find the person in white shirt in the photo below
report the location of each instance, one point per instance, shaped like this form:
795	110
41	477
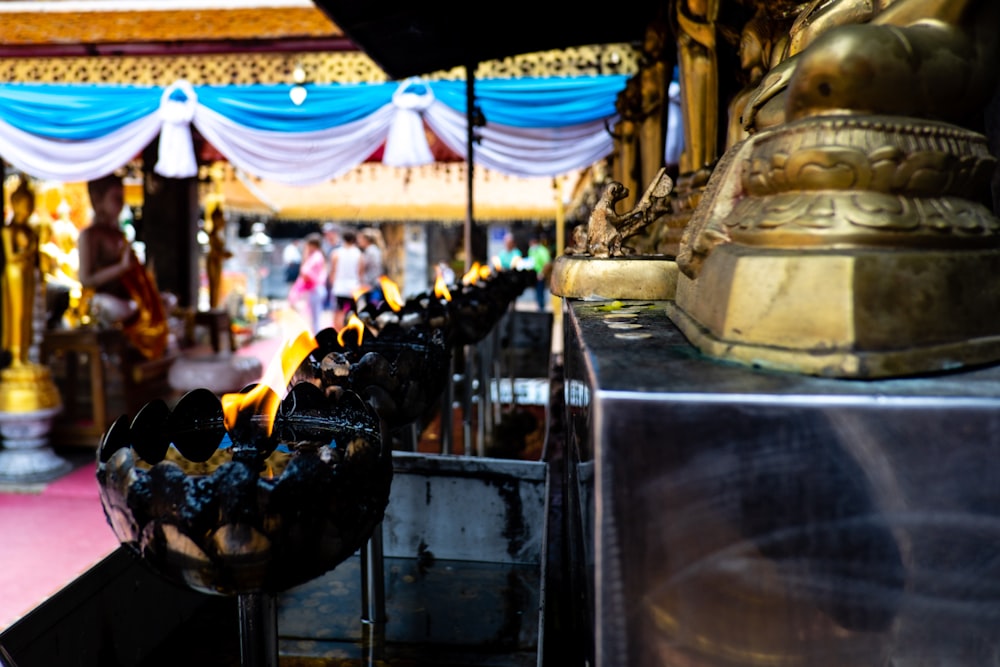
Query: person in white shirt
345	265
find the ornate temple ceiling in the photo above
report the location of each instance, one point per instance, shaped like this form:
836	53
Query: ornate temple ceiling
111	26
218	42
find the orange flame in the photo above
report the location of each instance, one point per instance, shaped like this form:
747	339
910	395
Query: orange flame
471	276
484	271
390	291
441	290
354	323
260	401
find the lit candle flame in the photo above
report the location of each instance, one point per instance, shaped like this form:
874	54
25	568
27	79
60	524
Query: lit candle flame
390	291
441	290
484	271
354	324
260	401
471	276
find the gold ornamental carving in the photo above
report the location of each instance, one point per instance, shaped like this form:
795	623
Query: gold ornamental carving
600	262
277	68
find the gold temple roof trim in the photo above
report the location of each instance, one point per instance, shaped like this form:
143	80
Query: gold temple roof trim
141	24
377	192
320	67
129	5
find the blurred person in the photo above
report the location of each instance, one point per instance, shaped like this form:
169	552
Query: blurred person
331	237
331	241
371	267
345	267
541	260
308	293
510	256
291	260
446	272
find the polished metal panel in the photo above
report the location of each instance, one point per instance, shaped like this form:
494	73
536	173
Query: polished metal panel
733	516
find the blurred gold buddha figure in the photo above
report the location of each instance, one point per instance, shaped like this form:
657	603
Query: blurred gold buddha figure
20	247
217	255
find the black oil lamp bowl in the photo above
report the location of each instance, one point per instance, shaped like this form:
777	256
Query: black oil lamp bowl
476	307
400	372
241	511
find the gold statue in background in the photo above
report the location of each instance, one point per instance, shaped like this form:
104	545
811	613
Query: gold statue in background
20	247
24	385
845	236
217	255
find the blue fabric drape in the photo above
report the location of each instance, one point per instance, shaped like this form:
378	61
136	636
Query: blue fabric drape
537	102
261	107
75	112
534	126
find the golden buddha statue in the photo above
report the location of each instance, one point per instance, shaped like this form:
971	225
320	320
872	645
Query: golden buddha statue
24	386
847	235
217	255
20	246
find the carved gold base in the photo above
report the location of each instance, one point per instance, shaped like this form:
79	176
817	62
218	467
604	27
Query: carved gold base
641	277
862	313
27	388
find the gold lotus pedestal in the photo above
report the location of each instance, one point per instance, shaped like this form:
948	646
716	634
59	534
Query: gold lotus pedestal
852	246
29	401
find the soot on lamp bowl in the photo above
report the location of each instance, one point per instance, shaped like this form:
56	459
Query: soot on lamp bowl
400	373
478	306
227	513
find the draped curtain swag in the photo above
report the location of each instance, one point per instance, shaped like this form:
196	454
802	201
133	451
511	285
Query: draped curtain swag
534	126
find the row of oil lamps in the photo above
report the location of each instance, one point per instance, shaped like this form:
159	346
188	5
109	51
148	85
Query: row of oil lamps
269	488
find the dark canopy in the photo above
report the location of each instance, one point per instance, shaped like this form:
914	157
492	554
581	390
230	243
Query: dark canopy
418	37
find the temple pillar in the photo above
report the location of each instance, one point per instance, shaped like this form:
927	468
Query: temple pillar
170	215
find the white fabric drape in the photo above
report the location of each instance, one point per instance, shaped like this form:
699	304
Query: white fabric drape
520	151
300	158
176	148
406	143
74	161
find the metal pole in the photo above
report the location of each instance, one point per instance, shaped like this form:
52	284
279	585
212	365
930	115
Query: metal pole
372	560
468	391
470	138
373	579
258	630
484	427
447	400
557	184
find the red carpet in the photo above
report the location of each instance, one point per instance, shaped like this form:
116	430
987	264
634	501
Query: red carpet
48	539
